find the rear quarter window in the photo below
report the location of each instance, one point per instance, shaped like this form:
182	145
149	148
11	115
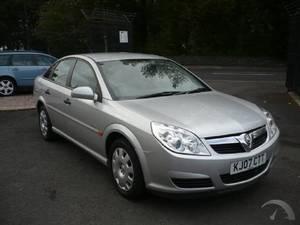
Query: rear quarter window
48	73
43	60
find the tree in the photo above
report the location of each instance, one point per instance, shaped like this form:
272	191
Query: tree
17	23
218	27
191	27
63	25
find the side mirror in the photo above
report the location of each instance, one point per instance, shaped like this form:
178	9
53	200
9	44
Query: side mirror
84	93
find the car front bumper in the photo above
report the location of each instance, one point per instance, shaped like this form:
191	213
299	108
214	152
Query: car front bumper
176	173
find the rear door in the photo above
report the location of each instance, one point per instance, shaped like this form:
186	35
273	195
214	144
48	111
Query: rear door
24	69
57	94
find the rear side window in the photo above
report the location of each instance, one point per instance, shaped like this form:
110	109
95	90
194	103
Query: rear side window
48	73
42	60
83	75
62	70
22	60
4	60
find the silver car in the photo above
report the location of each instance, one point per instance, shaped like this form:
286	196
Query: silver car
155	124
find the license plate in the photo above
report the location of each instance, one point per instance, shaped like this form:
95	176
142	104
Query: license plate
248	164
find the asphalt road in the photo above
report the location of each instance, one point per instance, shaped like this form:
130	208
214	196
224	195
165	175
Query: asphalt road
58	183
263	74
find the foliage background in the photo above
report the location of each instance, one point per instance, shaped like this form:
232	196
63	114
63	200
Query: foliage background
168	27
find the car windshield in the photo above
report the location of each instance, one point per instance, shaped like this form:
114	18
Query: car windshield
146	78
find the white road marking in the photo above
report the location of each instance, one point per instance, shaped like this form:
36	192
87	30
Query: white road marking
242	81
242	73
295	97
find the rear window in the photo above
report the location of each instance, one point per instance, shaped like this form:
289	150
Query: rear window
22	60
4	60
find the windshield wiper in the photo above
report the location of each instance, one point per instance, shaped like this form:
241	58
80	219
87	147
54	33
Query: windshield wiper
164	93
168	93
197	90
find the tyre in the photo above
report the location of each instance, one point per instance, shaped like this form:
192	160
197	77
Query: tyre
45	124
126	169
7	87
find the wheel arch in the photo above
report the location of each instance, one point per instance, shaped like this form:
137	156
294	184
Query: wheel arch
115	131
11	78
40	102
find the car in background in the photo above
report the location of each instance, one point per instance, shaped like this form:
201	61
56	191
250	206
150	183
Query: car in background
20	68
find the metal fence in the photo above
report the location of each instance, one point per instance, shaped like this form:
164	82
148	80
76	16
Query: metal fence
109	31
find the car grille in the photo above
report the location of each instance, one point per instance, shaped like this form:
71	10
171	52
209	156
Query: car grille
228	148
193	183
229	179
258	141
230	144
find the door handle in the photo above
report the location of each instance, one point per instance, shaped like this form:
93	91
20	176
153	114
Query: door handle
47	92
67	101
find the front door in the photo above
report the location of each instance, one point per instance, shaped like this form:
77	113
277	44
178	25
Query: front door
86	122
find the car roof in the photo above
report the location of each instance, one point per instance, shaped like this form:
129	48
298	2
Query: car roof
101	57
23	52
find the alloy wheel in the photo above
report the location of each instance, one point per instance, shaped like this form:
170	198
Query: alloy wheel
122	167
7	87
43	123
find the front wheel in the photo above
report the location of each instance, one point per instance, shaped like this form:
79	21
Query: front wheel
126	170
7	87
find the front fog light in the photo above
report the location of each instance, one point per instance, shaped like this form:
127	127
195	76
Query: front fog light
178	140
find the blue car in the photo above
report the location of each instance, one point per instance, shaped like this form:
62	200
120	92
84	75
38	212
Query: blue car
20	68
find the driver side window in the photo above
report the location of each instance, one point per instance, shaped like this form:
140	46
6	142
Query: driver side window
83	75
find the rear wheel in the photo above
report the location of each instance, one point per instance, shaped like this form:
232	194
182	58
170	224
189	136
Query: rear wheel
45	124
126	170
7	87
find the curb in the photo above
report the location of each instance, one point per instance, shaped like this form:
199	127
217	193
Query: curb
17	102
16	109
295	97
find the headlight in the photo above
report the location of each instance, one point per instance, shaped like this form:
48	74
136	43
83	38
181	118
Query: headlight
270	123
178	140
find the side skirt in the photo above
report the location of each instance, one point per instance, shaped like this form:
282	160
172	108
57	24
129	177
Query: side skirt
90	151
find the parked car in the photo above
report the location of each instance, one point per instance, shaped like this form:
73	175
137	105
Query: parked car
20	68
155	124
